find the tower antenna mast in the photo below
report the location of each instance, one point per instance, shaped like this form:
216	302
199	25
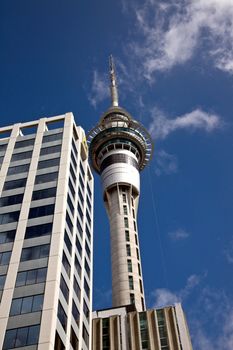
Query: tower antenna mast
113	86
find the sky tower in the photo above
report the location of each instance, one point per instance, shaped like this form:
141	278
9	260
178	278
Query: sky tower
120	148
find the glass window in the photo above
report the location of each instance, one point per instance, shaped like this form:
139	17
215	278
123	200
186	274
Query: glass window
88	218
37	252
58	343
140	283
80	196
21	156
70	204
127	236
126	222
89	190
86	310
75	312
48	163
74	148
137	253
81	182
89	204
72	173
53	137
87	268
33	335
68	242
82	170
24	143
131	285
9	217
128	250
50	150
69	222
77	266
62	316
77	289
64	289
26	305
41	211
66	264
86	288
10	185
7	236
85	336
139	269
124	197
31	277
87	250
38	230
125	210
129	263
2	281
46	193
132	298
5	258
46	178
9	341
73	339
79	227
3	147
88	233
73	161
78	246
11	200
18	169
134	225
136	239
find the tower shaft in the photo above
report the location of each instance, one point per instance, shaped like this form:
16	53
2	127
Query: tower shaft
127	282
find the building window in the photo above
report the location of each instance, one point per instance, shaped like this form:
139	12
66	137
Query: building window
37	252
133	213
128	250
88	218
134	225
41	211
137	251
75	313
131	284
86	310
78	246
82	170
2	281
140	283
66	264
40	179
80	196
132	298
26	305
21	156
79	227
144	330
80	211
73	339
58	343
11	185
139	270
125	209
74	163
29	277
50	150
69	222
106	333
20	337
89	204
24	143
18	169
87	268
11	200
77	289
68	242
136	239
86	288
53	137
62	316
85	336
48	163
38	230
129	263
46	193
7	236
81	182
5	258
64	289
126	222
72	173
87	250
70	204
89	191
77	266
124	197
9	217
162	329
127	236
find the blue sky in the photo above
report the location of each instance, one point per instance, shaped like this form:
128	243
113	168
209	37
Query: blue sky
175	70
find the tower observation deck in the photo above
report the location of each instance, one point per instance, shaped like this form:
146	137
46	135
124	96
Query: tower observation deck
119	148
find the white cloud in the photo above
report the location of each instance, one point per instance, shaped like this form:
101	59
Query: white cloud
99	89
172	31
178	235
162	126
165	163
228	252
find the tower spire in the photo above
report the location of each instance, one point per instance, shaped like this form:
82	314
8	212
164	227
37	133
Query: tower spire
113	85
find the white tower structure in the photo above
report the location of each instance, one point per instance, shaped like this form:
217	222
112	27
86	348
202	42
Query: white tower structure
120	148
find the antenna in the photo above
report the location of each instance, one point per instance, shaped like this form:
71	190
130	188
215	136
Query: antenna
113	86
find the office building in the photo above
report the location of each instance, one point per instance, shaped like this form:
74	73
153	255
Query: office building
126	329
46	219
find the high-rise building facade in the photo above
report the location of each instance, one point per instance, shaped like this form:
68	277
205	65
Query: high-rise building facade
46	223
126	329
119	149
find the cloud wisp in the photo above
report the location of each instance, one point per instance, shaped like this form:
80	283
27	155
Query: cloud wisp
166	163
173	31
99	89
179	235
161	126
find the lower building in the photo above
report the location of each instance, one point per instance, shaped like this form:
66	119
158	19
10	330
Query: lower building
123	328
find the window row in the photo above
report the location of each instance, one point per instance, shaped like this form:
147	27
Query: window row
26	305
25	278
20	337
